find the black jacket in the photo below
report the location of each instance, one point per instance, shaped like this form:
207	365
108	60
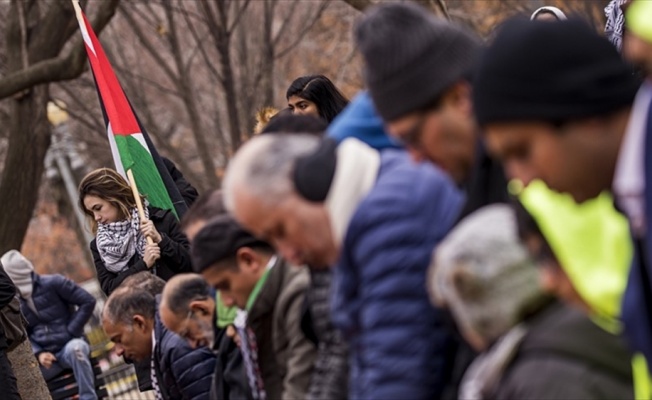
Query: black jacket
7	293
230	377
566	356
331	374
175	255
183	373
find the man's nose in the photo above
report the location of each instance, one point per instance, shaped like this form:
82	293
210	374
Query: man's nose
119	350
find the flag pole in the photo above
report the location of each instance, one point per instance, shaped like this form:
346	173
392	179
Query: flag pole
130	175
139	203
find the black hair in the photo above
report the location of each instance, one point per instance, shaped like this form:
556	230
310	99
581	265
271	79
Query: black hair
321	91
296	124
188	290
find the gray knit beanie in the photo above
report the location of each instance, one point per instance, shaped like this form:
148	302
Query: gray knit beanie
484	275
19	269
411	57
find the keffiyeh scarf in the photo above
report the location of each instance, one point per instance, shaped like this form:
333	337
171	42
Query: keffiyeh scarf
615	23
118	241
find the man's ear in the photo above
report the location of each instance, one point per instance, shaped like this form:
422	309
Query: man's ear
247	258
201	306
140	322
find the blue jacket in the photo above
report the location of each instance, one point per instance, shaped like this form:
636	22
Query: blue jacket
360	120
56	322
397	339
185	373
637	301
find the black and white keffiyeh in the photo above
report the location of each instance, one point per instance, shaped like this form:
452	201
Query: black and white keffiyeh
615	22
118	241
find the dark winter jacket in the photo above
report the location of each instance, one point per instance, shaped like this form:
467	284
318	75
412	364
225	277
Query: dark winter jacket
637	300
187	191
331	374
396	339
183	373
175	257
7	293
55	321
286	357
566	356
230	377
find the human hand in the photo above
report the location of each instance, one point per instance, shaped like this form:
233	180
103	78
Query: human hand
152	253
149	230
46	359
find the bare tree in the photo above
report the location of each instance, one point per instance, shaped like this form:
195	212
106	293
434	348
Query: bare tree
36	34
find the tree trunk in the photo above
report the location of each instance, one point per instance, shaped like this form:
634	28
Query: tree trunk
31	384
29	139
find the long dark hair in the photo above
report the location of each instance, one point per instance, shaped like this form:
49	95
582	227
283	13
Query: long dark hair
321	91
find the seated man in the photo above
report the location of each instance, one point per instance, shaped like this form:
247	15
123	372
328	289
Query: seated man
55	327
131	322
271	292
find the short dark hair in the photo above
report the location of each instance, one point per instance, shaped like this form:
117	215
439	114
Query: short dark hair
207	206
296	124
145	280
186	291
125	302
321	91
219	241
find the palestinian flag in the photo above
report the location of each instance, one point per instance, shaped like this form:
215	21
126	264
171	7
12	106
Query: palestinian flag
131	147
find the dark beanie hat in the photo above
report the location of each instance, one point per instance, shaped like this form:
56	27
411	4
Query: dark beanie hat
539	70
220	240
411	57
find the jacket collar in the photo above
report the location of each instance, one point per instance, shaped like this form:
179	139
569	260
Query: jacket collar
264	304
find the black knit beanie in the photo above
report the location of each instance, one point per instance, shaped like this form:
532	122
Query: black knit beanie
411	57
553	72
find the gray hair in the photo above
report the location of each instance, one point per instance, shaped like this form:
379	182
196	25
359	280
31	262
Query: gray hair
184	289
484	274
264	165
145	280
126	302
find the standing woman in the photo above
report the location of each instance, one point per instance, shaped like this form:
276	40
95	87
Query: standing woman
315	95
120	247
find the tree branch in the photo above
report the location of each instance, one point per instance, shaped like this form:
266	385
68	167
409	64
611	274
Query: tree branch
60	68
359	5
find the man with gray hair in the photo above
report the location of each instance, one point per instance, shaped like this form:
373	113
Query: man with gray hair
374	217
132	323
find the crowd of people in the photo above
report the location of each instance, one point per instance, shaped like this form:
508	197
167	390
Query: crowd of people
472	225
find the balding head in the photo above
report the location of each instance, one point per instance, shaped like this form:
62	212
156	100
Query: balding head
182	290
263	167
188	309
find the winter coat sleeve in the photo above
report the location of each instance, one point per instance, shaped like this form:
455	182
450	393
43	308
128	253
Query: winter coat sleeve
174	245
380	299
192	370
72	294
110	281
7	289
301	351
188	192
330	374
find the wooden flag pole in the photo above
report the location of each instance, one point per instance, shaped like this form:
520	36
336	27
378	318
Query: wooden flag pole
139	203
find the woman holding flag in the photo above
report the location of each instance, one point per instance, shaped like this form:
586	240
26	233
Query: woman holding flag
124	243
